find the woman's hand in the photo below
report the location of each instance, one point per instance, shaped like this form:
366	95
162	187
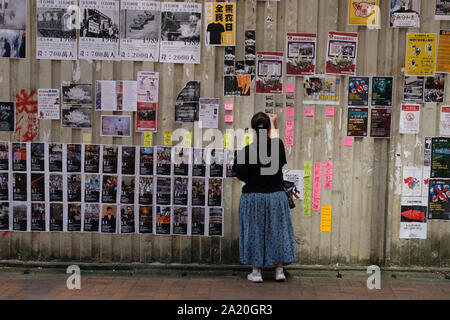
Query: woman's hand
273	133
273	118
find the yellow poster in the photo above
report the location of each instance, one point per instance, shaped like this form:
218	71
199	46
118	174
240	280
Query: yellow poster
443	55
420	54
220	26
325	219
148	139
168	138
364	13
227	141
307	180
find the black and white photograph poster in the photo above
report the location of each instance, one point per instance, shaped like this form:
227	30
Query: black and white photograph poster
76	94
216	221
56	29
7	112
181	28
181	158
13	29
128	160
99	30
110	158
163	161
146	190
115	126
139	31
80	118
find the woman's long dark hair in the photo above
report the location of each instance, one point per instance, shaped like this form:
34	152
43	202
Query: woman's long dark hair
261	124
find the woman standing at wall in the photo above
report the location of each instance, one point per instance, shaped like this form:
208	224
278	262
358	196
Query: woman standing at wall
266	235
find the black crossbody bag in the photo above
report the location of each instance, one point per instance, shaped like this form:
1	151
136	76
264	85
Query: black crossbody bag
291	190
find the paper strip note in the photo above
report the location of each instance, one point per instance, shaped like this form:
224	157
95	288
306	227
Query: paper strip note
328	183
168	138
309	112
307	179
317	186
148	139
325	219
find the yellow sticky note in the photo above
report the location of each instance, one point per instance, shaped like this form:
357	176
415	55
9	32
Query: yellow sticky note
148	139
248	139
168	137
187	140
227	141
87	137
325	219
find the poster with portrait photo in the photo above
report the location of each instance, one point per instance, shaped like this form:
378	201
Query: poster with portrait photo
74	217
76	94
181	158
215	192
13	25
321	90
127	187
99	30
358	91
405	14
110	158
55	182
215	159
163	218
127	219
55	157
199	162
187	103
145	219
91	158
38	216
37	187
180	220
7	112
215	221
139	31
109	218
181	28
163	190
56	216
37	156
91	214
20	216
128	160
145	190
342	53
20	190
413	89
76	118
92	188
4	215
163	161
180	191
74	187
198	221
4	156
109	189
230	155
146	161
56	37
115	126
73	157
19	156
4	186
198	192
382	88
434	88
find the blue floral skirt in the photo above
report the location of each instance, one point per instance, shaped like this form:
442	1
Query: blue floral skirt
266	234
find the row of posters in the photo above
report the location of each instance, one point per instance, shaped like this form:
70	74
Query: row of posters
359	91
424	89
380	122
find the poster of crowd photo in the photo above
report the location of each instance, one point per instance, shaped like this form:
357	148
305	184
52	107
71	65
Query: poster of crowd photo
434	88
413	89
300	54
13	19
442	10
341	54
56	29
99	30
269	74
180	220
321	89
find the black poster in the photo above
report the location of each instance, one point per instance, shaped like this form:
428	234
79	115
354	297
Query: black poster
180	191
216	163
74	188
127	189
37	187
198	163
439	199
440	158
230	170
164	161
382	91
110	159
56	187
215	192
109	189
4	186
109	218
4	156
91	217
37	157
163	190
198	221
198	192
4	215
55	157
146	190
180	220
163	220
215	221
187	104
7	111
74	217
91	158
19	156
146	161
127	219
128	160
19	186
145	219
358	91
56	217
380	123
92	188
20	212
181	161
38	217
357	122
74	158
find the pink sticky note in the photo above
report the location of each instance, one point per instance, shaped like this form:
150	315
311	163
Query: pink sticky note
348	142
290	88
289	132
289	142
289	112
309	112
229	106
330	112
290	123
229	117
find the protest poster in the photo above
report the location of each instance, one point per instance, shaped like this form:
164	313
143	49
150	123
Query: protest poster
409	119
55	157
404	14
127	189
128	160
181	158
440	157
56	217
20	151
56	37
445	121
364	13
73	188
13	24
4	186
7	119
48	104
80	118
163	190
199	162
147	101
180	32
358	91
220	26
180	191
139	31
295	176
216	159
91	158
145	219
215	220
434	88
126	94
180	220
380	122
438	199
38	187
127	219
420	54
73	157
321	89
163	161
115	126
76	94
99	30
109	218
145	190
20	216
146	161
382	88
215	192
301	54
74	217
413	218
250	53
198	221
91	217
187	103
413	89
56	186
38	216
92	188
198	192
110	158
237	85
109	188
209	113
105	95
442	11
4	156
269	74
412	181
443	53
230	156
4	215
163	220
341	54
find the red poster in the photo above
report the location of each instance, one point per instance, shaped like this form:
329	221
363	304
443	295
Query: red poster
146	116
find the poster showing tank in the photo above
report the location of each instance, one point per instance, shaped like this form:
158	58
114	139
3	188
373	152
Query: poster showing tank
413	89
163	161
440	157
405	13
301	54
215	192
4	156
110	158
180	220
74	217
76	118
230	156
91	214
13	20
342	52
382	91
139	30
91	158
4	186
20	190
269	73
92	188
146	161
434	88
163	218
55	157
37	157
38	216
187	103
145	219
357	122
163	190
215	159
198	221
20	215
99	30
413	218
4	215
127	219
321	90
73	157
7	116
109	218
146	190
37	187
109	189
180	191
128	160
181	28
55	182
74	188
147	101
380	122
19	156
358	91
75	94
181	158
199	162
56	29
420	58
439	199
442	11
56	216
215	221
198	192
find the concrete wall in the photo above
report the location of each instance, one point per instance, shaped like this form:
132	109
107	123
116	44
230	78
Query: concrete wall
367	176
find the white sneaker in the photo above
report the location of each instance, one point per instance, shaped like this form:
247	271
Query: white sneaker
279	276
255	277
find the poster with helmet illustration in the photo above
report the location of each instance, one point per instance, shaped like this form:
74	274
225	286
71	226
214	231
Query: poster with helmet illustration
420	54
